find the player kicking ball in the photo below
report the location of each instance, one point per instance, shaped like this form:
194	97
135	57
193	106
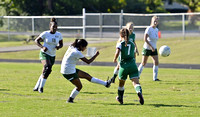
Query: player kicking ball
69	71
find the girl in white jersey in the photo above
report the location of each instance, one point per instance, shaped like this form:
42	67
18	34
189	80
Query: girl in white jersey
150	48
69	71
52	41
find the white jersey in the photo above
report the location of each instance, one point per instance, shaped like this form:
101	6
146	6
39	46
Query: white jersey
50	41
153	37
70	59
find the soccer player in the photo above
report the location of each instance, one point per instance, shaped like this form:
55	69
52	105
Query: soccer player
130	27
52	41
69	71
149	47
128	67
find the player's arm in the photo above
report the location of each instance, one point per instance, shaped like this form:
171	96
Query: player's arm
60	45
136	49
116	55
88	61
37	41
145	39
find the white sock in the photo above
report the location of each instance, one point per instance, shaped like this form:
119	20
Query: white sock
74	93
138	88
38	82
42	83
98	81
140	69
116	71
155	72
121	88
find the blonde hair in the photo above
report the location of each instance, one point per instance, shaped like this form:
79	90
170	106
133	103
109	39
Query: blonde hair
153	19
129	24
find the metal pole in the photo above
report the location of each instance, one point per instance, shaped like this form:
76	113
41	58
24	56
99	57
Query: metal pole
121	20
33	28
100	25
183	26
8	28
84	19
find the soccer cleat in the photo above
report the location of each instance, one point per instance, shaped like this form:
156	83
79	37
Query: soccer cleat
119	100
108	83
141	99
70	100
156	80
35	89
40	90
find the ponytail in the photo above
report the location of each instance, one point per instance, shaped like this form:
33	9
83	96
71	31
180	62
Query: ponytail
125	34
53	20
79	43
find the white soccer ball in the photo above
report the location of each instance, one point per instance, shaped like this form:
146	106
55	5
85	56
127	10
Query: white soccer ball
164	51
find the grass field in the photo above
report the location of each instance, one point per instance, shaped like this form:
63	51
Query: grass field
182	51
178	94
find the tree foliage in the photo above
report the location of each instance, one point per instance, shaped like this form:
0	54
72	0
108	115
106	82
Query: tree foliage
194	5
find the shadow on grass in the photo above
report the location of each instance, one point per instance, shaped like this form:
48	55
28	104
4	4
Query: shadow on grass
98	92
4	90
166	105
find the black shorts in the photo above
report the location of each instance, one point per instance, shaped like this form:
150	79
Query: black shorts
146	52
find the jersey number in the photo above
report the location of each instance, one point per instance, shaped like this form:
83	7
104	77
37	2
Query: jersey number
53	40
129	48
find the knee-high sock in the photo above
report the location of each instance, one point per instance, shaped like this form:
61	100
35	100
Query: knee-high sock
120	92
115	72
140	69
42	83
74	93
98	81
38	82
155	72
138	88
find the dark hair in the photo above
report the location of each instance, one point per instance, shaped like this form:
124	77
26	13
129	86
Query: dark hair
79	43
53	20
125	34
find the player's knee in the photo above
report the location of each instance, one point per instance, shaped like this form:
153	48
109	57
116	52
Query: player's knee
47	70
79	87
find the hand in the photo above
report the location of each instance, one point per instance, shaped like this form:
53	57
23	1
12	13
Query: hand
114	60
152	49
44	49
137	52
57	47
97	53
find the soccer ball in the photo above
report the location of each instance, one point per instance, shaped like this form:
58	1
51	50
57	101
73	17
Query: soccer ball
164	51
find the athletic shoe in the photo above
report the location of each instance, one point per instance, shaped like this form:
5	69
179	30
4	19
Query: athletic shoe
156	80
40	90
108	83
141	99
70	100
35	89
119	100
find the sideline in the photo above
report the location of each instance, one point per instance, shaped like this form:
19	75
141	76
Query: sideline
148	65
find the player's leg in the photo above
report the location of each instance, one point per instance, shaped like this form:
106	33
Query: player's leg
47	66
120	91
38	83
138	89
85	75
142	64
116	70
155	67
75	91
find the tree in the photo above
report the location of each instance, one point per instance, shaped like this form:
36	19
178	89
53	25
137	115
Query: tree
153	6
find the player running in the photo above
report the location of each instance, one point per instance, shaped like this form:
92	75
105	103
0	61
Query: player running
52	41
126	52
71	73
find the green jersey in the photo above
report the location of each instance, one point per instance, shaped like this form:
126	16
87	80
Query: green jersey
127	52
132	37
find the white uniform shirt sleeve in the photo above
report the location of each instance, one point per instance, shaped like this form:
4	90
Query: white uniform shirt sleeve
42	35
118	46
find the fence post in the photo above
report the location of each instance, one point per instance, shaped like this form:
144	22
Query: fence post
100	25
84	19
33	28
121	20
8	28
183	26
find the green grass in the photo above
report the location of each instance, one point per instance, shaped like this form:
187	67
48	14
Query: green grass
176	95
182	51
